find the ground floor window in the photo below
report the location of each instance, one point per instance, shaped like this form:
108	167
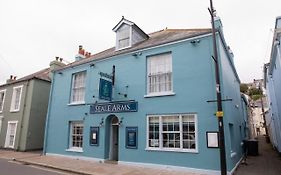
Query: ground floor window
11	134
76	135
175	132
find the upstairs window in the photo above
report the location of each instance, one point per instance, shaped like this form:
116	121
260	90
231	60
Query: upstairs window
2	99
123	37
78	87
15	105
159	74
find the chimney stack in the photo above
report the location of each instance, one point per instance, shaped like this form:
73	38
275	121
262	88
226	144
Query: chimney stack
54	65
12	78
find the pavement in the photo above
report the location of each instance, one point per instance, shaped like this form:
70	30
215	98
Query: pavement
267	162
83	167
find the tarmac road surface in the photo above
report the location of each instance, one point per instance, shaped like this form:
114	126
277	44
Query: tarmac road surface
13	168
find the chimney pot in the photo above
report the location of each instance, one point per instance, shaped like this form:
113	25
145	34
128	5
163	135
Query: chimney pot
11	77
81	51
15	77
61	59
57	58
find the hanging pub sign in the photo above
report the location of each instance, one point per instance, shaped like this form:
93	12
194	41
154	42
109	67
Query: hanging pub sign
105	90
114	107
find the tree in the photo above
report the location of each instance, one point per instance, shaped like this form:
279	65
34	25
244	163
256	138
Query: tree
244	88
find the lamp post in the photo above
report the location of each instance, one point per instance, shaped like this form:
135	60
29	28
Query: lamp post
219	112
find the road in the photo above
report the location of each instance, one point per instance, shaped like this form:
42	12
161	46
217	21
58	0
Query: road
8	167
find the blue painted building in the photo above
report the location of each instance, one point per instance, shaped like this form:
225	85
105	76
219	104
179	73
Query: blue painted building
272	78
147	101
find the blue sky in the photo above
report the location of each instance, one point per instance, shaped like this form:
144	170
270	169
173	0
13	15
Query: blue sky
34	32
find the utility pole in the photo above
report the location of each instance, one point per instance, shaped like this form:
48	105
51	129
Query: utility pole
219	112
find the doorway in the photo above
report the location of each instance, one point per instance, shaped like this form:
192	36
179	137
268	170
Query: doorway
113	138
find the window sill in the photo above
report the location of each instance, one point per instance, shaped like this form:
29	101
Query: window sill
173	150
15	110
160	94
79	150
76	103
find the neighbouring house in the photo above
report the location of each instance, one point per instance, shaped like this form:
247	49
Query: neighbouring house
23	109
150	100
272	78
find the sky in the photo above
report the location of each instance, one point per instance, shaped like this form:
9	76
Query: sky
34	32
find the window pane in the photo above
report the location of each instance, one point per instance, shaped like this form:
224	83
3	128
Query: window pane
153	131
159	73
188	132
77	134
78	87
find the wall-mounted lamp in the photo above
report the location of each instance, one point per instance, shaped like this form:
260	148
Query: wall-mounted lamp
92	65
60	73
195	42
276	42
125	95
101	122
137	54
120	122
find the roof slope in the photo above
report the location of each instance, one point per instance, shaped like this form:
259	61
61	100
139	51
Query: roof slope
42	75
157	38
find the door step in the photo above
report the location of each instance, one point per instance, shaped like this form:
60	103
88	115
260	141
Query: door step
111	161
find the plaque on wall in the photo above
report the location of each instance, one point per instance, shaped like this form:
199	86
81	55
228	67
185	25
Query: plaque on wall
132	137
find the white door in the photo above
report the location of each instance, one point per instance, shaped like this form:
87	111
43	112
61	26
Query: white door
11	134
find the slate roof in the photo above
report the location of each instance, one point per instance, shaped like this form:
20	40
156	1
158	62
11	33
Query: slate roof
42	75
157	38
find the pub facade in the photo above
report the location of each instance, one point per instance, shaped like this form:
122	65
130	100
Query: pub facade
148	101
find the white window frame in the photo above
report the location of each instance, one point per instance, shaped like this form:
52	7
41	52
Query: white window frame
7	141
4	92
12	108
148	74
181	149
118	39
71	147
72	102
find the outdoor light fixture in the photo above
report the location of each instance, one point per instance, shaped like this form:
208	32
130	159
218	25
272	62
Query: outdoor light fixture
120	122
92	65
60	73
137	54
101	122
276	42
194	42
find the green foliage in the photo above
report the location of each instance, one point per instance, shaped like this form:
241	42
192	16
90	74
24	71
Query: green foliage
255	91
256	97
243	88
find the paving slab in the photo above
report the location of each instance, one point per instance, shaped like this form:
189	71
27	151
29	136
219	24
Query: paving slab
268	162
84	167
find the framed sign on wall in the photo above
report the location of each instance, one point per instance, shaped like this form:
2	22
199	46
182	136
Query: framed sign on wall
94	135
132	137
212	139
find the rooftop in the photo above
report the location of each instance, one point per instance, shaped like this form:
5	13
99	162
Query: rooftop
156	38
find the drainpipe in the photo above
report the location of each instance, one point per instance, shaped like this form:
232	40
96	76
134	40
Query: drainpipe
48	115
